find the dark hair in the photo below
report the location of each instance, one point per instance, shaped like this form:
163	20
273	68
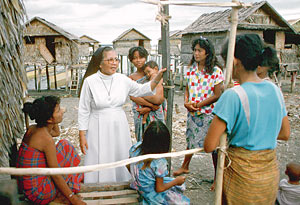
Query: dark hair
156	138
151	64
248	49
293	171
95	62
206	44
41	109
270	59
142	51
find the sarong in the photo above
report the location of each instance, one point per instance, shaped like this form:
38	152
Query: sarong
138	118
252	177
41	189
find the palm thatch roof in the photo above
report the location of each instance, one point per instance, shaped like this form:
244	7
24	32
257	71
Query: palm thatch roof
12	75
56	28
219	21
123	35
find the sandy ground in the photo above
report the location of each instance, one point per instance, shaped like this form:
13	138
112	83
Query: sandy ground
201	169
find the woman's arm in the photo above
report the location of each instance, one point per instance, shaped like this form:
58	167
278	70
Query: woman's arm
215	130
141	101
160	186
158	98
217	93
285	130
188	105
50	151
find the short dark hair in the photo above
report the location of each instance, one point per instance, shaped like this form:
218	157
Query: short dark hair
151	64
156	138
142	51
293	171
270	59
41	109
207	45
248	49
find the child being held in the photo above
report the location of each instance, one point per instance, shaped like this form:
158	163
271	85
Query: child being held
151	69
150	176
289	190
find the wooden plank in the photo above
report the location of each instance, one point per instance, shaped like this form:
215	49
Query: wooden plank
46	53
112	201
104	187
108	193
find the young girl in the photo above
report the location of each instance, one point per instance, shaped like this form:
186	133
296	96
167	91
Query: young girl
204	85
150	175
39	150
138	56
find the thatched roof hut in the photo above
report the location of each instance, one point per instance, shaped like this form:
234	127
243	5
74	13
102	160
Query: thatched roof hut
131	38
88	45
13	79
261	18
44	42
175	43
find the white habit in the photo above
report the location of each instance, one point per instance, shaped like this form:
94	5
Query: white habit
101	114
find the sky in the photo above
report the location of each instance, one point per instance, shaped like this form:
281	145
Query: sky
105	20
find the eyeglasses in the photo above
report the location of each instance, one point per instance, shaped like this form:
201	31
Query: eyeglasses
112	60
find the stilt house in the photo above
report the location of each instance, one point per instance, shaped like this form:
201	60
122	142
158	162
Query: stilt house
261	19
131	38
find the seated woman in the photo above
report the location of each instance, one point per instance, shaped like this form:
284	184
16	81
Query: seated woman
39	150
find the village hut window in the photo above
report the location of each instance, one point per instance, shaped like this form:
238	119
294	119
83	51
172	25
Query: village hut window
29	40
141	43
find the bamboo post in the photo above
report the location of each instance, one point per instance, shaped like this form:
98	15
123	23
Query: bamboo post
229	64
47	76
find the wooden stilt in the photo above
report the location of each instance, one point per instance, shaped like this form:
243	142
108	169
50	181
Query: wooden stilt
55	80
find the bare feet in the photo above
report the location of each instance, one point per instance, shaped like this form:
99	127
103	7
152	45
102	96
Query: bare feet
181	171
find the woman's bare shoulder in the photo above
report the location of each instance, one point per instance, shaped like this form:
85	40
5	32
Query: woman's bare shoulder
37	138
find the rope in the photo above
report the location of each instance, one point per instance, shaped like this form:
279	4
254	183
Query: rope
226	155
91	168
160	16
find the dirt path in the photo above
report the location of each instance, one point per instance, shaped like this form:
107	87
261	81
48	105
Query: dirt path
201	169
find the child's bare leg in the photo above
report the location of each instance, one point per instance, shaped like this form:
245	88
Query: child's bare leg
184	169
214	155
145	116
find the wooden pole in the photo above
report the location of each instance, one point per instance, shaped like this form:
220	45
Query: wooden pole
121	61
67	77
229	64
47	75
39	77
35	78
168	80
55	80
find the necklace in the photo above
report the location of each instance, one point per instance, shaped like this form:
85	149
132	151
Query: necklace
108	91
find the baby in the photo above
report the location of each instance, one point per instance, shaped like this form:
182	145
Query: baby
289	190
151	69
